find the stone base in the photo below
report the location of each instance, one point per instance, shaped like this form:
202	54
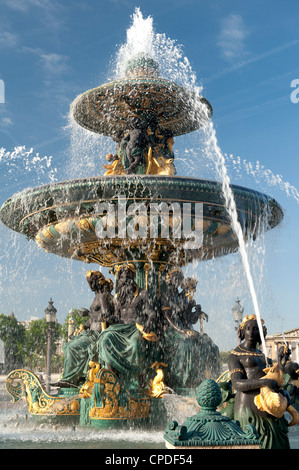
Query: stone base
250	446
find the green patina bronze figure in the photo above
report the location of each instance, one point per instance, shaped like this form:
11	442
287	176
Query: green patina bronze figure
128	347
189	354
291	374
287	365
80	350
260	399
134	145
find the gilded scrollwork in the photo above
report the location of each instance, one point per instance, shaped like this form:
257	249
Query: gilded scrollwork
23	382
87	388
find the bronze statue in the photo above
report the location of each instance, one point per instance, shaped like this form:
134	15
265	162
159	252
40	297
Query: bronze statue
160	155
81	348
115	164
194	311
181	343
134	145
132	304
248	368
142	149
101	312
287	365
177	307
125	347
172	304
291	374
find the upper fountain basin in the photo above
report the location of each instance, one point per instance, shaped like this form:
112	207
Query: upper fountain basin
109	109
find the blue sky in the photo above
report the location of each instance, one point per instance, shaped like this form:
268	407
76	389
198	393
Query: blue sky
244	54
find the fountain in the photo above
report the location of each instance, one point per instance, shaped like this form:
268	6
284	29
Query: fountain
145	224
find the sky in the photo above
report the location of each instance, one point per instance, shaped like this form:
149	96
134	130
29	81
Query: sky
245	57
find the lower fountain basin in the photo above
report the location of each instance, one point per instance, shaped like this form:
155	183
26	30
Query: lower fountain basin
64	217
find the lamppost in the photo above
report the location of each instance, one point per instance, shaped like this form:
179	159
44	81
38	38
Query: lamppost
238	314
50	319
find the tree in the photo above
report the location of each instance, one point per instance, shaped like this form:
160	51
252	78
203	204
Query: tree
13	334
28	348
224	355
36	342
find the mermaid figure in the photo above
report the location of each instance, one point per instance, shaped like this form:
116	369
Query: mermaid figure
248	367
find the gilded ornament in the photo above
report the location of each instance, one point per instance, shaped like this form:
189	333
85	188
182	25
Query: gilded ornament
157	386
275	403
113	401
173	271
248	318
87	388
63	227
236	370
148	336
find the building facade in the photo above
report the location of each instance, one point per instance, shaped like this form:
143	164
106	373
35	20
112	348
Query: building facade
273	343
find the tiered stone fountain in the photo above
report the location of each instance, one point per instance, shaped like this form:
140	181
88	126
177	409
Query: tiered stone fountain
141	214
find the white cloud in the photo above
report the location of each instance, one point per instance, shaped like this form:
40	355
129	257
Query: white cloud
51	10
24	5
6	122
8	40
232	37
54	64
252	60
118	3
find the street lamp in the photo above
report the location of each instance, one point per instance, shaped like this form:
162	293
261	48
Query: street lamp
238	314
50	312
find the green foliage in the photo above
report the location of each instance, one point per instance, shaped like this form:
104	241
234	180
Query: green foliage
13	335
224	355
37	340
57	363
28	348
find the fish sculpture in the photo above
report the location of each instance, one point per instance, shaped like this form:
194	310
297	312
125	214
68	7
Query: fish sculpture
272	402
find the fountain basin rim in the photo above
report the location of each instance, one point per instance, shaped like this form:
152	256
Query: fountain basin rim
134	178
82	187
